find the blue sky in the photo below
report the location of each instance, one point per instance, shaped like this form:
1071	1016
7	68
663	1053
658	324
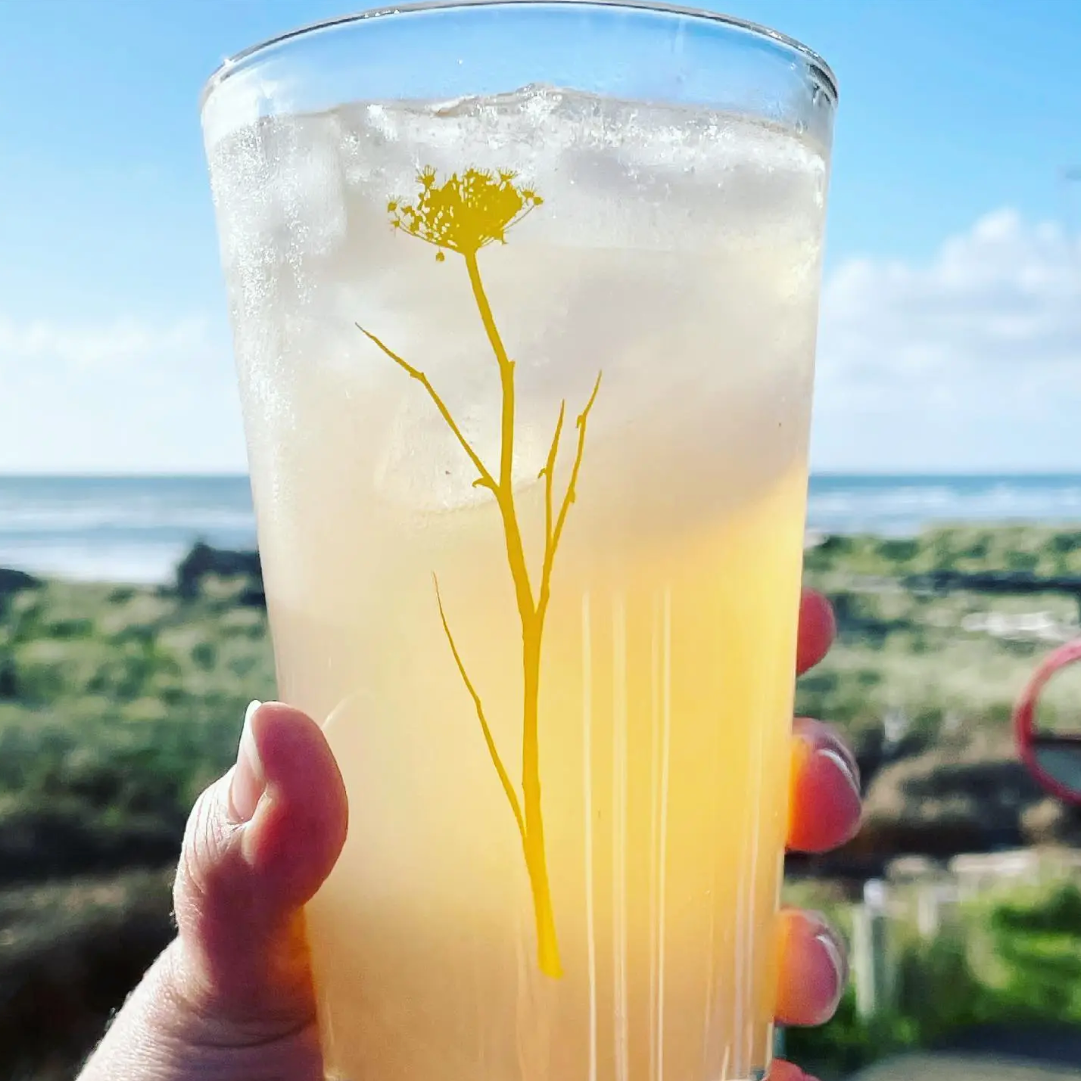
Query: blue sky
951	335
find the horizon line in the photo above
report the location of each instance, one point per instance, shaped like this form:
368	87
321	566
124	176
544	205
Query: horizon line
893	473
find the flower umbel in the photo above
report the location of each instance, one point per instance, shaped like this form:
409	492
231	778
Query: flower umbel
466	212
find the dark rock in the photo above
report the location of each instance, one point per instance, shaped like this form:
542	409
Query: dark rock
203	562
9	683
952	798
11	581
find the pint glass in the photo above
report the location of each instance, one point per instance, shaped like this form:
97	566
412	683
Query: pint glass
524	298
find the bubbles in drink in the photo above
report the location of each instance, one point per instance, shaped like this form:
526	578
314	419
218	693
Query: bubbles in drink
666	239
675	254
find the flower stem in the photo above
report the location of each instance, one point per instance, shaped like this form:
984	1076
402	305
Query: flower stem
532	627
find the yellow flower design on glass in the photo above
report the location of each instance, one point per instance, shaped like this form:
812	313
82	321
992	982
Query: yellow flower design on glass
465	213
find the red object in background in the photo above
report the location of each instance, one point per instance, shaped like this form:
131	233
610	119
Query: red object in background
1054	759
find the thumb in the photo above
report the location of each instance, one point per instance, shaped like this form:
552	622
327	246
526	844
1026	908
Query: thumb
258	845
236	981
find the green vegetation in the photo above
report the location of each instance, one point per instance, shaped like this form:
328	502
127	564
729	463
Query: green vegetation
932	656
119	704
1008	963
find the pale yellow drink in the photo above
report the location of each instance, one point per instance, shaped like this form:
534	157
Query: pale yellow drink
598	902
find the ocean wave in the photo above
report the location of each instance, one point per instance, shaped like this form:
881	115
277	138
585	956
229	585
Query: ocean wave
44	520
134	564
137	529
906	505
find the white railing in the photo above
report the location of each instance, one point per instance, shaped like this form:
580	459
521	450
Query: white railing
918	895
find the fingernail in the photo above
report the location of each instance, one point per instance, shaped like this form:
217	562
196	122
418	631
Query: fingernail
848	769
840	965
249	781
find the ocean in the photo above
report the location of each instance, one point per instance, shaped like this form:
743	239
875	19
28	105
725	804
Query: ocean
136	529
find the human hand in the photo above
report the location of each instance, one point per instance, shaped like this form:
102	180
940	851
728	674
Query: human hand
231	999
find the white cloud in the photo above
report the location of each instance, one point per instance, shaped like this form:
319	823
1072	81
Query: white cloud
122	395
969	361
109	345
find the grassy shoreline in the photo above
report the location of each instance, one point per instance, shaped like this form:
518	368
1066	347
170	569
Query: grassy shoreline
118	704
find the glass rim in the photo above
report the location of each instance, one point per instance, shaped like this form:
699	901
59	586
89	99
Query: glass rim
232	63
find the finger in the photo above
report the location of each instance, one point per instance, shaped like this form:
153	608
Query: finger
813	971
259	844
783	1070
817	628
824	808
